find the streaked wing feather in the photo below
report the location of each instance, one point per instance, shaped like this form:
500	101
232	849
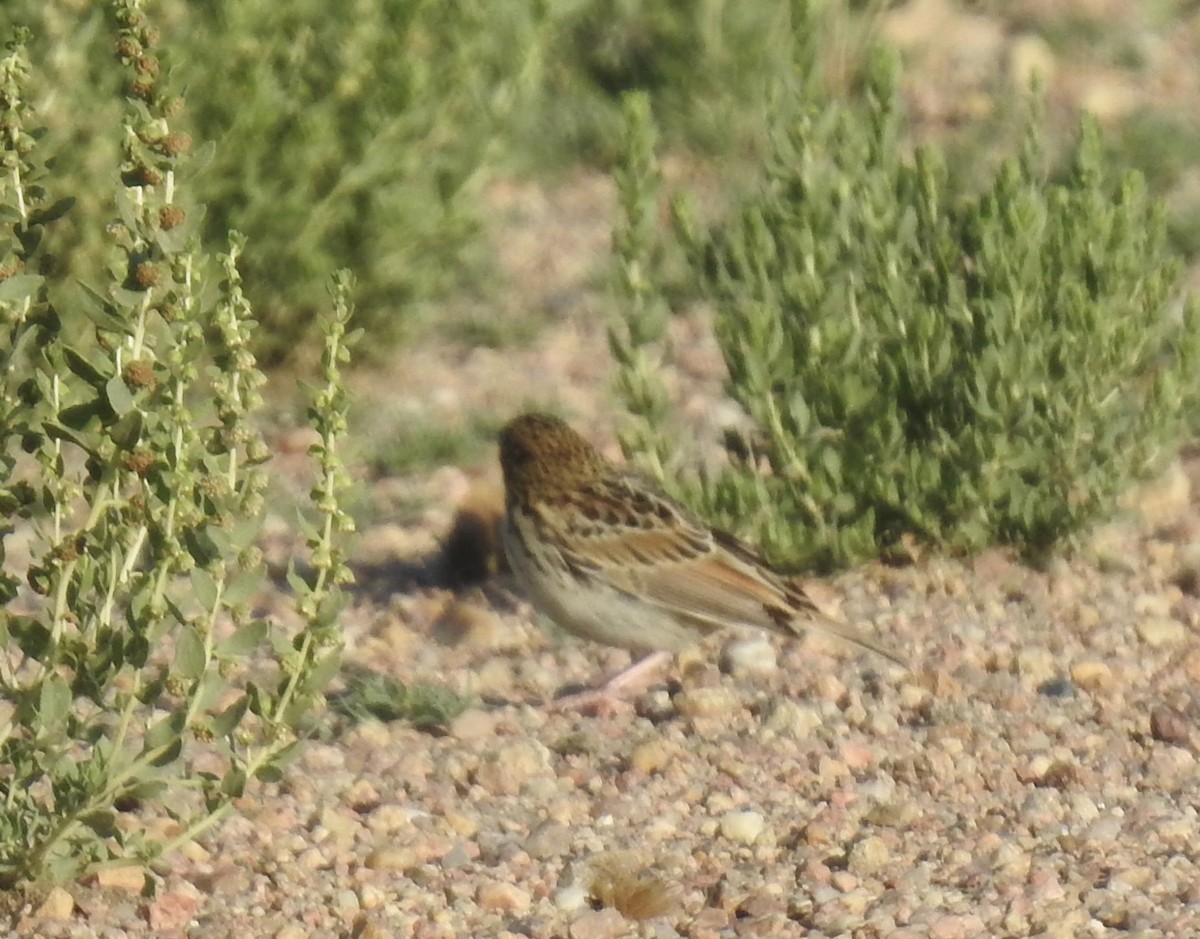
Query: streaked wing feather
640	543
627	535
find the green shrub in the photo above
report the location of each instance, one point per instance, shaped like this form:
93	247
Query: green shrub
996	368
700	62
348	135
133	671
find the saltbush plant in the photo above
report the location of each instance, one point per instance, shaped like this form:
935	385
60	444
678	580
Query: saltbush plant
136	678
991	368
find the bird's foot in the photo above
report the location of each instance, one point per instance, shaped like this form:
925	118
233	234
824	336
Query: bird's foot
613	695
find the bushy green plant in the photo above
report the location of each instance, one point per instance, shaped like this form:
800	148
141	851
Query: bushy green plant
699	61
997	368
133	670
348	135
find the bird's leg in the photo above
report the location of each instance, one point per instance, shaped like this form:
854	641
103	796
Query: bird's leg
612	693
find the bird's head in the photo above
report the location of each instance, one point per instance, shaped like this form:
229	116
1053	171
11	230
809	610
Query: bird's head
541	455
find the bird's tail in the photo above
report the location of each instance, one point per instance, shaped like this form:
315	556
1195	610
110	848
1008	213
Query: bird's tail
847	633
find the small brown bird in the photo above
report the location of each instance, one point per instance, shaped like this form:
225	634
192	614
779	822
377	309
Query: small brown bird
609	557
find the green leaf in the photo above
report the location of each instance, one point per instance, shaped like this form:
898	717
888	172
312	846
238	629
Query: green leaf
202	548
97	309
269	773
19	287
78	416
170	753
102	822
247	639
234	784
190	657
244	585
52	212
127	432
118	396
54	702
322	673
95	375
204	588
228	720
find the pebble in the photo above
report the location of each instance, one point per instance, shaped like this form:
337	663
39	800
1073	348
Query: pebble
1036	665
707	702
570	899
749	656
743	827
599	924
1103	830
1169	726
58	905
391	858
128	879
474	724
504	770
370	897
792	719
652	756
550	839
1161	631
869	856
1092	675
502	897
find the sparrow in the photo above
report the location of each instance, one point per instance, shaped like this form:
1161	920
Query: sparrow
609	557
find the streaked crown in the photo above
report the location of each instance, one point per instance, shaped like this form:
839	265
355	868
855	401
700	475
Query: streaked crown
542	455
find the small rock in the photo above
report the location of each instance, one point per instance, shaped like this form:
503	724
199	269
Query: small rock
1138	877
128	879
1103	830
504	770
1161	631
58	905
706	702
172	911
363	796
457	856
652	756
1169	726
744	827
893	814
474	724
750	656
1171	767
789	718
370	896
505	898
599	924
1092	675
869	856
390	858
550	839
1036	664
570	899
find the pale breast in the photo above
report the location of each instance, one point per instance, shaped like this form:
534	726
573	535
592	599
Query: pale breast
588	608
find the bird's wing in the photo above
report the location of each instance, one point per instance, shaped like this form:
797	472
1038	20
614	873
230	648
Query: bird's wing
629	536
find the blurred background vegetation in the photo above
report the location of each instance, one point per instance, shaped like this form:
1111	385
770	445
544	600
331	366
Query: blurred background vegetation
362	134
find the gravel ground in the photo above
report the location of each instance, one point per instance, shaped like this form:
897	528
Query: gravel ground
1034	774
